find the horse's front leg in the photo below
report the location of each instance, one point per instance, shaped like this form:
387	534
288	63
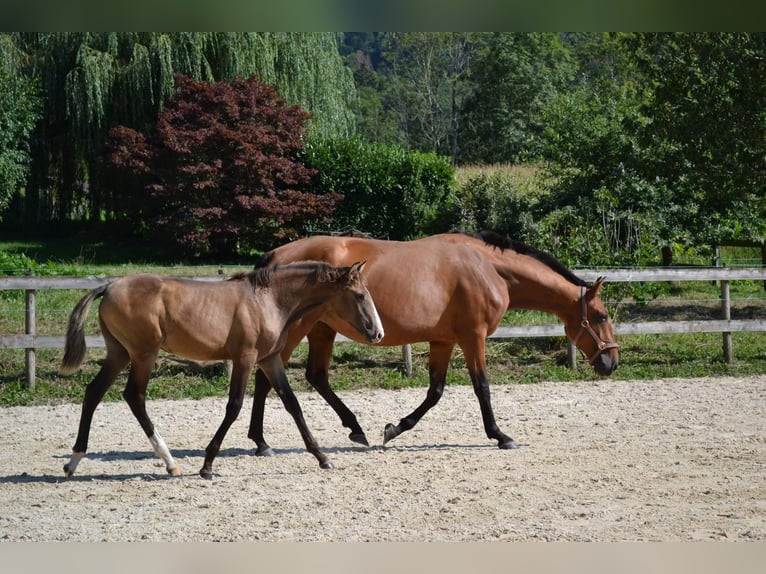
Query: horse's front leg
274	369
239	375
477	369
321	341
262	388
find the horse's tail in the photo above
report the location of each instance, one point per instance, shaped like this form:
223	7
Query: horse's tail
74	348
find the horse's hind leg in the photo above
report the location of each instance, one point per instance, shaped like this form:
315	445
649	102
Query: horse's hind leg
115	362
439	356
135	396
477	368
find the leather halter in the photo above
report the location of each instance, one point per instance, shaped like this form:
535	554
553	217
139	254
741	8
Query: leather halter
585	327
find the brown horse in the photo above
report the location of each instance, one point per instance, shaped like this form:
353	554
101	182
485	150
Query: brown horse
244	319
445	290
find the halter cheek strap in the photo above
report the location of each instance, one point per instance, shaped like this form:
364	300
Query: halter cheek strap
585	327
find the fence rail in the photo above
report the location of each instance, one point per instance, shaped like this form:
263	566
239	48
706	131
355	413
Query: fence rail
30	340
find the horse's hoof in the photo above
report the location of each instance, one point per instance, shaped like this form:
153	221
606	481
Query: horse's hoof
359	438
508	445
206	474
175	471
327	465
68	473
264	451
389	432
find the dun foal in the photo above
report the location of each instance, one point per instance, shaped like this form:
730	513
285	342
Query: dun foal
244	319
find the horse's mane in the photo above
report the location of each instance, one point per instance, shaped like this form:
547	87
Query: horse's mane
263	274
501	242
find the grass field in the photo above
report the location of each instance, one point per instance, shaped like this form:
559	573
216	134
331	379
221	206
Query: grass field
355	366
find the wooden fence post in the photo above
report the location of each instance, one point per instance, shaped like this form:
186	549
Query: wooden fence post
407	357
726	311
30	328
571	354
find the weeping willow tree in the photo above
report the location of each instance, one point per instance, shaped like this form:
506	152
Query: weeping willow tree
19	105
95	81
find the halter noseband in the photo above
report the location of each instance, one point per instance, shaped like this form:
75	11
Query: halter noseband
586	328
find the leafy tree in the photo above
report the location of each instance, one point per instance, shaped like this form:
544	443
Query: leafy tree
431	68
411	87
513	75
220	172
19	110
707	131
601	209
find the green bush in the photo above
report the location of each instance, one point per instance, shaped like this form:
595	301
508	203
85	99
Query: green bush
388	192
498	201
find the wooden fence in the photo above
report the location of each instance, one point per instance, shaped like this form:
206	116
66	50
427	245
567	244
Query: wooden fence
30	340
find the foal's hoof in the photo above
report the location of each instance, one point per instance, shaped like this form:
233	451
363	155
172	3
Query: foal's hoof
327	465
508	445
389	432
359	438
264	451
206	474
68	473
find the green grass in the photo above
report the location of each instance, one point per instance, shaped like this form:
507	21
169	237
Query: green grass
358	366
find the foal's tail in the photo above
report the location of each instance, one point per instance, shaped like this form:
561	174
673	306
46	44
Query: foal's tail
74	348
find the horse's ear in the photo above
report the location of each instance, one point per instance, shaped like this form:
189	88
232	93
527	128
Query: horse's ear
354	272
593	289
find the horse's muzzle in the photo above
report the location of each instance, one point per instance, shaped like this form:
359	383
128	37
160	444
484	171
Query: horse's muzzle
605	365
375	335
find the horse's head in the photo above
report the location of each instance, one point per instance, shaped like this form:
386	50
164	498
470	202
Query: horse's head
591	330
355	305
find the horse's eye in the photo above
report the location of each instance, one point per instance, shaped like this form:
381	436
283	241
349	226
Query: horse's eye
359	296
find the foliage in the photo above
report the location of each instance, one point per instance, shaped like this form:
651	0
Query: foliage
220	173
19	110
513	75
706	129
387	191
498	200
94	81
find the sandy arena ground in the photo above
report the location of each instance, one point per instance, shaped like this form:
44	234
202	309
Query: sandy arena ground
665	460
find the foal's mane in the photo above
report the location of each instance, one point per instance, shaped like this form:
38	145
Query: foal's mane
262	275
499	241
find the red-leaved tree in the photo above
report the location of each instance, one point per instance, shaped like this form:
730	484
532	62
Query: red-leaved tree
220	172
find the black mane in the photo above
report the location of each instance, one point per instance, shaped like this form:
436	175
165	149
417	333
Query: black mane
501	242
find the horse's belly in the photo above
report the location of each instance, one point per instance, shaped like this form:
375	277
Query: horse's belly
197	348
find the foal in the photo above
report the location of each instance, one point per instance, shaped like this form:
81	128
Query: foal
244	319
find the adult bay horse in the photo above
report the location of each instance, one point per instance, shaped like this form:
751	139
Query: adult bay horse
244	319
445	289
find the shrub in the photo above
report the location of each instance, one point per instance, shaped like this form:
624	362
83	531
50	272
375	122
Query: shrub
498	200
387	191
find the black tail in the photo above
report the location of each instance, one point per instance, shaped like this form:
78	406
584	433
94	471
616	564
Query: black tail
74	348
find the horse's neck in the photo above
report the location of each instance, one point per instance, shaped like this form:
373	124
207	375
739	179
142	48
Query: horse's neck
535	286
296	297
